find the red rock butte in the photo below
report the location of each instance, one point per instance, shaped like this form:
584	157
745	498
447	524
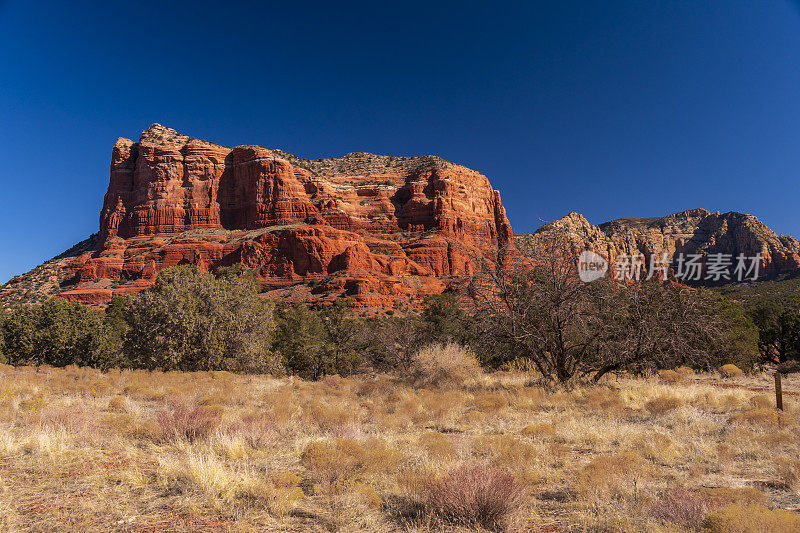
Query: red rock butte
382	230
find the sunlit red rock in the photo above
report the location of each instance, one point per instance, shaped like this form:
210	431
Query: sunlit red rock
379	229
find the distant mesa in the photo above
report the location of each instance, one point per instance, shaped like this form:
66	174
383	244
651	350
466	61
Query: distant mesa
383	230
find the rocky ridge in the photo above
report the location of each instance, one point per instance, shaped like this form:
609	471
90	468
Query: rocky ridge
383	230
696	231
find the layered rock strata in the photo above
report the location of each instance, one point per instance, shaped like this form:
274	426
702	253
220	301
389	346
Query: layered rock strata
380	229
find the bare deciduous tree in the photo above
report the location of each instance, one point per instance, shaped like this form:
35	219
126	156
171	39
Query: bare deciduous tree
538	309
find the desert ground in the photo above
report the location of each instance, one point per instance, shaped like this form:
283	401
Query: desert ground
82	450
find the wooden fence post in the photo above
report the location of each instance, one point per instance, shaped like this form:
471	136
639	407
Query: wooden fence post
778	392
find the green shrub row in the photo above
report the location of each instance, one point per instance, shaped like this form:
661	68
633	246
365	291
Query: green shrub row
189	320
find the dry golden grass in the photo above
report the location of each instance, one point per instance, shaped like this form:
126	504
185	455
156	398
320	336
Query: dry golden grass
670	376
82	450
438	446
446	365
752	518
663	404
730	371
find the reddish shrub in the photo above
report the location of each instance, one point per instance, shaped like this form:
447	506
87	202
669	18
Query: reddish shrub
257	431
72	418
475	496
682	507
690	509
187	422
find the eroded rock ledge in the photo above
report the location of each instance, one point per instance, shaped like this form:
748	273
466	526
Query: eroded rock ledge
381	229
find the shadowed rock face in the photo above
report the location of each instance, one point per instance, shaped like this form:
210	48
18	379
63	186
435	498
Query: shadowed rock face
380	229
696	231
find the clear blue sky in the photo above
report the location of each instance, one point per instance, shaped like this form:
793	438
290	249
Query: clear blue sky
610	108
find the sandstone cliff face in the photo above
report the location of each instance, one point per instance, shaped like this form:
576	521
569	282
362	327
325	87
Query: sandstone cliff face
383	230
696	231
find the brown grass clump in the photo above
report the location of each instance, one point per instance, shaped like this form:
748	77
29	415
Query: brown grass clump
118	404
475	496
539	430
670	376
751	518
731	371
129	426
657	447
9	521
187	422
788	471
722	496
529	399
663	404
146	394
611	475
342	460
761	401
505	450
440	404
96	388
329	417
283	412
214	400
445	365
604	401
764	417
438	446
490	402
